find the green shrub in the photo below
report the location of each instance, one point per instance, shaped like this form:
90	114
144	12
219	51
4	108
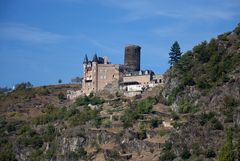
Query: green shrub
217	125
50	133
176	124
163	132
81	101
42	91
86	115
26	140
210	153
61	96
154	123
184	106
185	154
128	118
227	150
167	156
203	85
167	146
145	106
174	115
205	117
6	152
53	113
23	86
106	123
142	134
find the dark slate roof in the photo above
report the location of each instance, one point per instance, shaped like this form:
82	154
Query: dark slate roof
95	58
85	61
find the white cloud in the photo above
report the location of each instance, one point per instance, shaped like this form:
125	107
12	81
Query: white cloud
25	33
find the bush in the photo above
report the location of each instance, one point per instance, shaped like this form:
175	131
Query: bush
163	132
81	101
202	84
184	106
86	115
210	153
142	135
205	117
217	125
53	113
128	118
227	150
61	96
145	106
23	86
6	153
174	115
154	123
42	91
185	154
167	156
229	104
167	146
50	133
27	140
106	123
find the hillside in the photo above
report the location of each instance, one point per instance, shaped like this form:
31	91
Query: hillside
195	116
204	86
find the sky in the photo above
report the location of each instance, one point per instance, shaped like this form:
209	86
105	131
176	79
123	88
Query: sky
42	41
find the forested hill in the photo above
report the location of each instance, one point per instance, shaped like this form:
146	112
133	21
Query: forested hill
204	87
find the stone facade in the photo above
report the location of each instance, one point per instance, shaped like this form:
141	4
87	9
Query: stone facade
141	79
98	73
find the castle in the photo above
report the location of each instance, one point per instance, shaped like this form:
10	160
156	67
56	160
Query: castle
99	74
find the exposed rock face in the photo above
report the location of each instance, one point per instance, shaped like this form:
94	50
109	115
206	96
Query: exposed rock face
217	94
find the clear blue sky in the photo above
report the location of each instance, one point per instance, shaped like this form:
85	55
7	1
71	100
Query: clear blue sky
42	41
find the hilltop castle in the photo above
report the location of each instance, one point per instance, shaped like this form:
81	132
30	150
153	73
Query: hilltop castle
99	74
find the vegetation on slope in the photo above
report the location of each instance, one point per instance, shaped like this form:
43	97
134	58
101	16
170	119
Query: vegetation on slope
203	85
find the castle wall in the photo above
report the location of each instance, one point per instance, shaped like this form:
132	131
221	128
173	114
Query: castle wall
142	79
108	74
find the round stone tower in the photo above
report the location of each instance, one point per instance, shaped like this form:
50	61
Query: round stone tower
132	57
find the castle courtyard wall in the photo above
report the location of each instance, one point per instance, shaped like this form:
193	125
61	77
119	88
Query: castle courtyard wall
142	79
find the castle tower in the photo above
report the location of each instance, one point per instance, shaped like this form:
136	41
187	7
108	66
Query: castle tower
95	73
132	57
85	64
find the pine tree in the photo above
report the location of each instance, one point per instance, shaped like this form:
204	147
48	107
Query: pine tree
175	53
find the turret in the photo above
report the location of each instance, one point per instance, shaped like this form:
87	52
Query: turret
95	73
85	61
95	58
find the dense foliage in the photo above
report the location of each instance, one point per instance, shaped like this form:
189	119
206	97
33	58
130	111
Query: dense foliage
208	64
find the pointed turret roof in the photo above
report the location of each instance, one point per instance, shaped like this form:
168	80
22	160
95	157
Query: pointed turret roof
95	58
85	61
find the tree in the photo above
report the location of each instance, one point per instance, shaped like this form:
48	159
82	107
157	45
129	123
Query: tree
227	150
175	53
77	80
238	144
23	86
59	81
